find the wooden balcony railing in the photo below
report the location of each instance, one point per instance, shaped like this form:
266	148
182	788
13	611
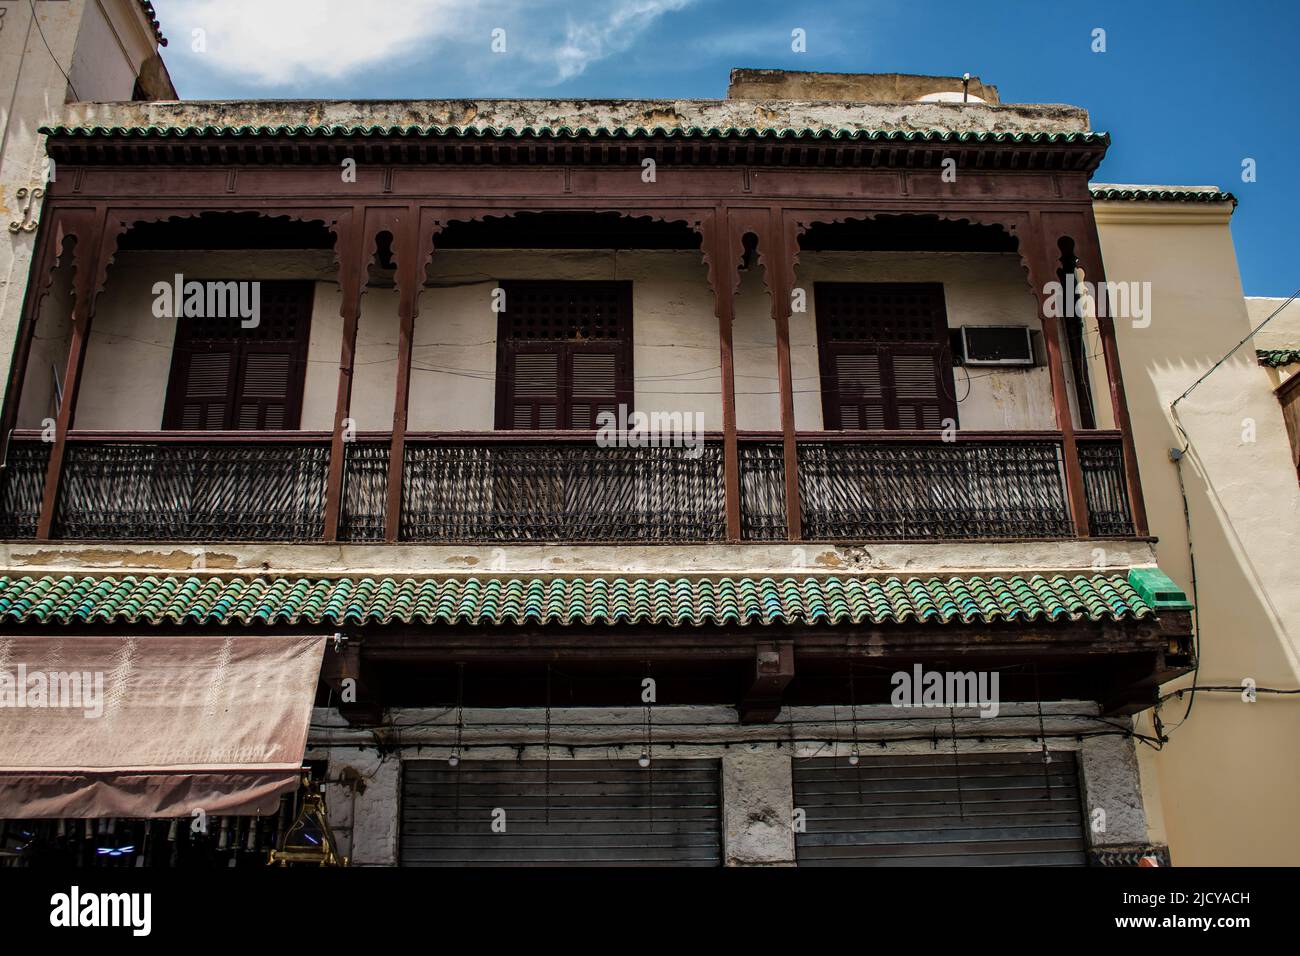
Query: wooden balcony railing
562	487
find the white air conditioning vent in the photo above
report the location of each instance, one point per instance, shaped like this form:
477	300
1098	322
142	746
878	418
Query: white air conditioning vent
996	345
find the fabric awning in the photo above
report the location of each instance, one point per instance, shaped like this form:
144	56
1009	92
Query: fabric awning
153	726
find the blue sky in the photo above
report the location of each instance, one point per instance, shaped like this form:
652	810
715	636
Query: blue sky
1186	88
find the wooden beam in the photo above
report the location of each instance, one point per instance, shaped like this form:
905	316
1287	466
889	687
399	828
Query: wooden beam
354	251
773	671
780	259
1042	271
723	278
409	279
357	699
45	259
1088	251
89	256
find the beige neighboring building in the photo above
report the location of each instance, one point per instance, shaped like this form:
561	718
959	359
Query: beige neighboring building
1228	779
64	52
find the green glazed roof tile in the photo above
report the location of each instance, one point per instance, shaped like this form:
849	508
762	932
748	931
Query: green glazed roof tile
1113	193
1276	358
566	131
192	599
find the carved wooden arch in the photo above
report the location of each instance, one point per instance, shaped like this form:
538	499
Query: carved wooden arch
698	219
121	220
1014	224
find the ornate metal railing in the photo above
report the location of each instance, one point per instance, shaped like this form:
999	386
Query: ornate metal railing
762	491
365	491
907	486
188	486
22	483
1105	486
559	487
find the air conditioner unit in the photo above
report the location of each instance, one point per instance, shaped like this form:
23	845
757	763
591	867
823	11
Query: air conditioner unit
996	345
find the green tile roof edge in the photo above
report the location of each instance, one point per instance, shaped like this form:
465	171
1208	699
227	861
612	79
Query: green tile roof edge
1158	589
192	599
151	15
574	132
1160	194
1276	358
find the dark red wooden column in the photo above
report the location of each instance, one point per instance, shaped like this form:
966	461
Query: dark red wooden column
412	245
724	278
1087	248
355	248
1040	252
778	256
92	254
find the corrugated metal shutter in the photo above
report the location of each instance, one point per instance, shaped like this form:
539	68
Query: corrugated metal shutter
591	813
924	810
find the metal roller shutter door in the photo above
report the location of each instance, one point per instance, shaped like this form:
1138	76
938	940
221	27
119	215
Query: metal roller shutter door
906	811
601	813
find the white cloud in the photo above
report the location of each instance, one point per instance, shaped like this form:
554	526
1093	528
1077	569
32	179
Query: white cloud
290	43
589	40
285	42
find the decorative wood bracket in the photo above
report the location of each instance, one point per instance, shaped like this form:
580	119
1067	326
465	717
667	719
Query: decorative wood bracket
341	672
773	671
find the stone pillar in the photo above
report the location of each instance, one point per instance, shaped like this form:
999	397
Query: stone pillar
757	809
1111	783
366	827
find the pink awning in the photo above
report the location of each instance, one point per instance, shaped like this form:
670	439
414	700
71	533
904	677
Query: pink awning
152	726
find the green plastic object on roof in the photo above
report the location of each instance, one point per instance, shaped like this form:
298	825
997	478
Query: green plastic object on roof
1158	589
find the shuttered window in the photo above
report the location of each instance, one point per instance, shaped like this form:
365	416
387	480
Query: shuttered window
990	809
564	353
885	362
572	813
227	377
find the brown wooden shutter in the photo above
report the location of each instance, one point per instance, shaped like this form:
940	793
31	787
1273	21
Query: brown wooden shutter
226	377
564	354
884	355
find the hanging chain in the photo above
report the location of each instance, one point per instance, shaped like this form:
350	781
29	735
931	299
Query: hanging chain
855	758
956	762
1042	736
460	729
647	754
547	746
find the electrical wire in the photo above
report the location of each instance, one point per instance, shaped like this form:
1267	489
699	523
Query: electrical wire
36	19
1178	455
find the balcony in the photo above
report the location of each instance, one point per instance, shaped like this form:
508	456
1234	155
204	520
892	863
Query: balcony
562	487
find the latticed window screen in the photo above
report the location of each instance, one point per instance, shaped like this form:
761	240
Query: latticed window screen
227	377
885	362
564	353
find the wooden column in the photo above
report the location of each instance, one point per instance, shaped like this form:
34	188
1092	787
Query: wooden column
779	269
91	255
1087	248
724	278
355	248
1042	255
45	259
407	247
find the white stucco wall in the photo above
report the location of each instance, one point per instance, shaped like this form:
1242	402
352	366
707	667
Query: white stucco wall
675	339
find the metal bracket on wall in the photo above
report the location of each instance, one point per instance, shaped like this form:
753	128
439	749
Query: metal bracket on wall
30	202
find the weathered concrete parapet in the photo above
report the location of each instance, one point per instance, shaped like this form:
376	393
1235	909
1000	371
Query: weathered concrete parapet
757	808
1111	782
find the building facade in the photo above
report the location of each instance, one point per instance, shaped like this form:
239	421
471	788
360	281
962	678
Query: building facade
746	481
